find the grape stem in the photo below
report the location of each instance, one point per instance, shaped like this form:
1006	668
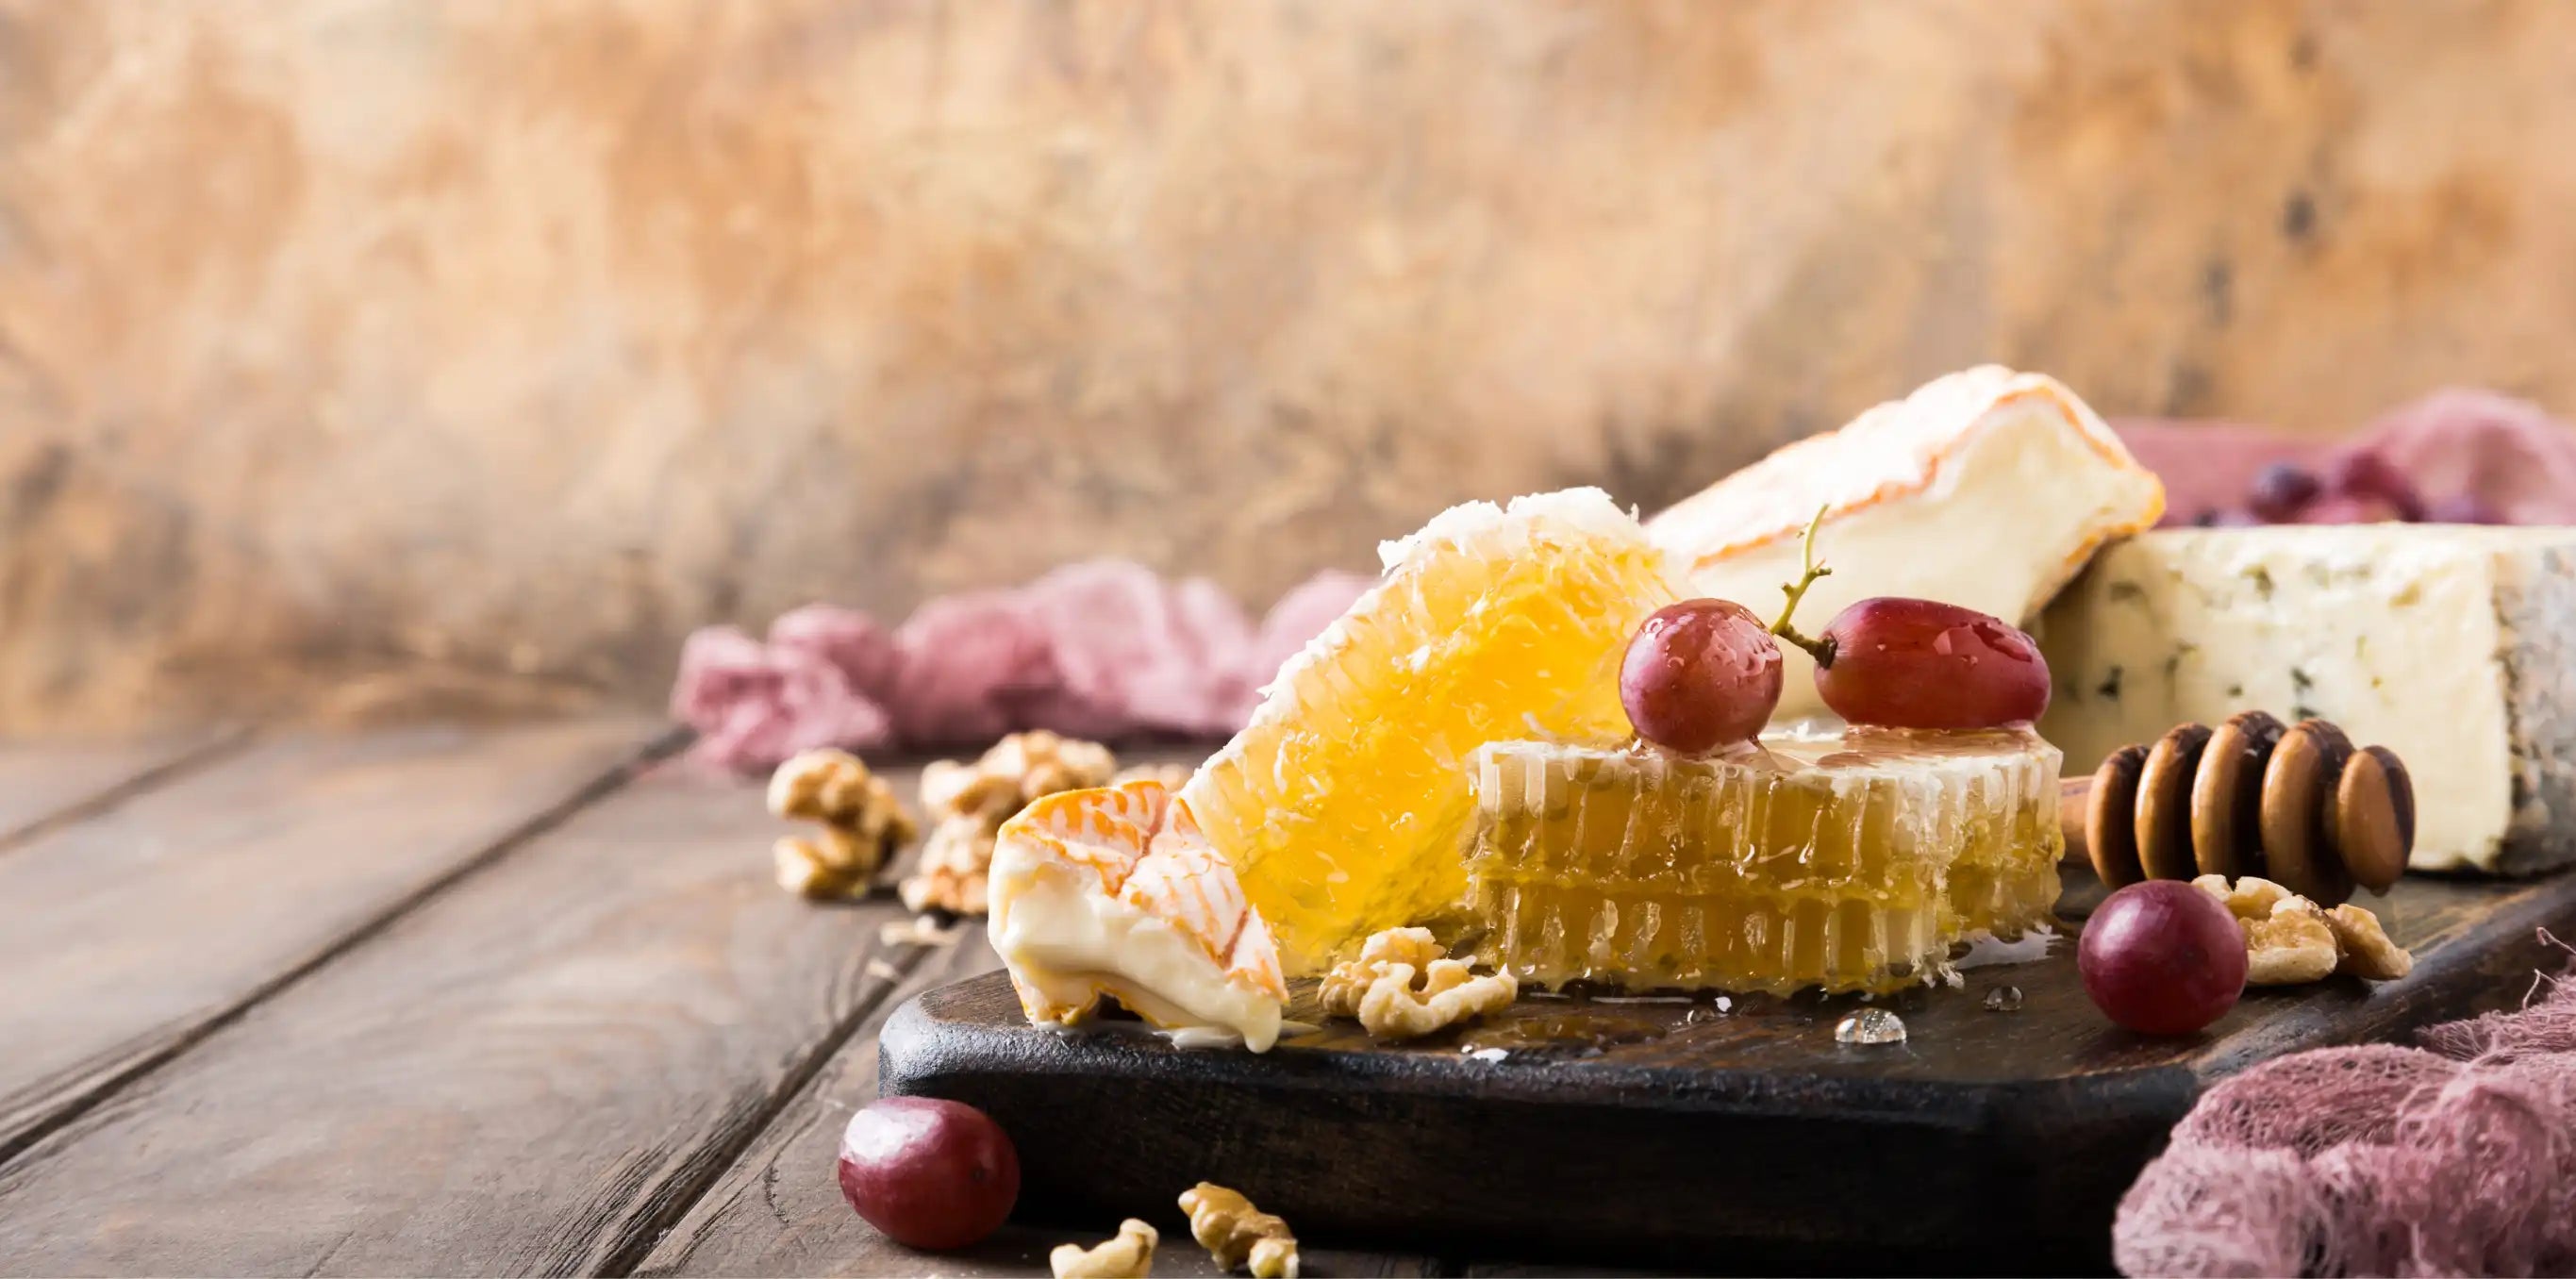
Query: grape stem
1820	649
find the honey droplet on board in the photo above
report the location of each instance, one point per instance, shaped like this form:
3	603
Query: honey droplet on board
1871	1026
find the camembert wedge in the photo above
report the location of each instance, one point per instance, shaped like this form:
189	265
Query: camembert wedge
1116	892
1987	488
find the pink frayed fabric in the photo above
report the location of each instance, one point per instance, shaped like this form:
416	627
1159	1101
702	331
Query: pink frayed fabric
753	702
2455	1158
2510	453
1294	622
1132	653
2208	466
1105	649
2507	455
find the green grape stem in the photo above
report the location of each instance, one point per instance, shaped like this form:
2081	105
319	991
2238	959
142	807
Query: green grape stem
1820	649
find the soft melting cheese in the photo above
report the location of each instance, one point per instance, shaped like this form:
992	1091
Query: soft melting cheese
1115	892
2451	646
1986	488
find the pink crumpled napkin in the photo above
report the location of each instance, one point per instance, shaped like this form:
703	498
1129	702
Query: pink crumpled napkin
2468	454
1105	649
2456	1158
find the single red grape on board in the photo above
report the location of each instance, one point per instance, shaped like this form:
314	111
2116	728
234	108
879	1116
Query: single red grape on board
930	1173
2162	958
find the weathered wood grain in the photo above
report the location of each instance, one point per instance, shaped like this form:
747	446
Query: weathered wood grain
778	1210
535	1072
1674	1133
127	935
46	784
401	352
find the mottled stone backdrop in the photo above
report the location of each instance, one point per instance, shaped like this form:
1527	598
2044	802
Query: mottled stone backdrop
367	356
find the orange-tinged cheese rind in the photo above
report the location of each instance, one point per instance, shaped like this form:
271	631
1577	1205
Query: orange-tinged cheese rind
1116	892
1893	450
1988	489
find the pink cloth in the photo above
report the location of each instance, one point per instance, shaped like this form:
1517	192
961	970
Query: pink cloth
2207	466
1134	653
1293	622
2470	454
2508	452
2457	1158
1105	650
754	702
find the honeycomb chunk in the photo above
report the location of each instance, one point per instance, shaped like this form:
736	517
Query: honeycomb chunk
1343	804
1848	860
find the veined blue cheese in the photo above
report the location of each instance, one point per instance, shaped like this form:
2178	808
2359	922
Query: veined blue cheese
2453	646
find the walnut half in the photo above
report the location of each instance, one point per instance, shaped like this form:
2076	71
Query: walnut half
1378	987
1129	1255
2363	946
2290	940
971	801
861	823
1235	1233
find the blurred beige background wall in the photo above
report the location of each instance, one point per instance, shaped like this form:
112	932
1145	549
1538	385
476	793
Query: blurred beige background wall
367	355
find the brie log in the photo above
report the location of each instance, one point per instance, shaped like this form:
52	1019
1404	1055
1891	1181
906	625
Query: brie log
1987	488
2450	645
1116	892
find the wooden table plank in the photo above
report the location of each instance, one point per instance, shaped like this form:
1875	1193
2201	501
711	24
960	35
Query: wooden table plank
537	1071
45	785
778	1210
128	935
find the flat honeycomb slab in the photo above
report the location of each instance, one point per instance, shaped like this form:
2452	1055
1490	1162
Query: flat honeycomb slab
1846	860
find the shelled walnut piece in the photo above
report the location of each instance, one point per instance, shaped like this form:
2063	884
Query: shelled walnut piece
1377	988
1237	1234
861	824
2290	940
969	803
1129	1255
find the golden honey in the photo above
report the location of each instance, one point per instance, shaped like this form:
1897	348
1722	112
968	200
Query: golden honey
1343	805
1849	860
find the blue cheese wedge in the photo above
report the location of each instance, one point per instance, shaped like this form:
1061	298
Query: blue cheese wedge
2453	646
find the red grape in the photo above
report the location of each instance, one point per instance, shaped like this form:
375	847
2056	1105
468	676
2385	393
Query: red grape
2281	490
1699	675
2162	958
2367	474
930	1173
1907	663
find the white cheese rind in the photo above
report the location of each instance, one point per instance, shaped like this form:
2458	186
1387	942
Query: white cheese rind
2449	645
1986	488
1062	937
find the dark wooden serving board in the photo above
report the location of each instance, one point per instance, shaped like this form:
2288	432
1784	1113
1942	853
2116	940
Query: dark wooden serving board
1669	1132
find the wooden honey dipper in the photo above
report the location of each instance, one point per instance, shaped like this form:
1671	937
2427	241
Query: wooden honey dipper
2298	806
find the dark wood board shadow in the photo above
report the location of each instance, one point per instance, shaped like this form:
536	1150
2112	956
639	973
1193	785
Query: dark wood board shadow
1667	1132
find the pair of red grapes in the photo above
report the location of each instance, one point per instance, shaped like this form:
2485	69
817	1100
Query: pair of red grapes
1704	674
